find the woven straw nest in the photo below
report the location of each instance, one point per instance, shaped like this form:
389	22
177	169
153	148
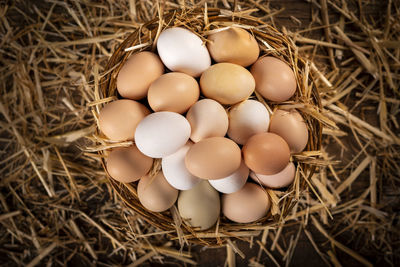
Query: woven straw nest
306	99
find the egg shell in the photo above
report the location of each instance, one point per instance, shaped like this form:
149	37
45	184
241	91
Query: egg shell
246	119
161	134
290	125
174	91
200	206
233	182
233	45
118	120
266	153
213	158
175	171
247	205
279	180
137	73
207	118
183	51
227	83
274	78
128	164
155	193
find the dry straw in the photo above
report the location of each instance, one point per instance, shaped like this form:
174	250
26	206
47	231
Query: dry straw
57	207
204	21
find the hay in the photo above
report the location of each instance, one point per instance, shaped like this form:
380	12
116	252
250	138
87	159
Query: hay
56	205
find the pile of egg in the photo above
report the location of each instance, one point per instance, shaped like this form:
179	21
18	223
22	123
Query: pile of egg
209	145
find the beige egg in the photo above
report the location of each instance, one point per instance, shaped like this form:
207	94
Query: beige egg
128	164
174	91
247	205
290	125
281	179
200	206
233	45
266	153
274	78
137	73
207	118
213	158
227	83
155	193
118	119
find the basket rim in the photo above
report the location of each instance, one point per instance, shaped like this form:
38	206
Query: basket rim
123	190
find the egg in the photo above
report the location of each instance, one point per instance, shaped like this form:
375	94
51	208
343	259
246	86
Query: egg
266	153
175	171
274	78
174	91
213	158
233	45
127	164
247	205
200	206
118	119
279	180
207	118
290	125
233	182
137	73
183	51
162	133
227	83
155	193
246	119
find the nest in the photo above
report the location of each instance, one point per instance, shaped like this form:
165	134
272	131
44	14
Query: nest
204	21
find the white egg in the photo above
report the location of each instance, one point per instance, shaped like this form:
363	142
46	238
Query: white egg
161	134
281	179
183	51
246	119
174	169
233	182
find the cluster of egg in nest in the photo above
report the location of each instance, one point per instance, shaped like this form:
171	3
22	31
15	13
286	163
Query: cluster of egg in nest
204	123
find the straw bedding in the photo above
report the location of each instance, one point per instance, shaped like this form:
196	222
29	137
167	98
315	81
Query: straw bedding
57	207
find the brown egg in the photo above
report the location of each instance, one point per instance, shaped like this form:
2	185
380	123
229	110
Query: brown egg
174	91
137	73
128	164
274	78
290	125
233	45
227	83
266	153
118	119
155	193
247	205
213	158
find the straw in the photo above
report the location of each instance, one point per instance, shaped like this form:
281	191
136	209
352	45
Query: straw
58	206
